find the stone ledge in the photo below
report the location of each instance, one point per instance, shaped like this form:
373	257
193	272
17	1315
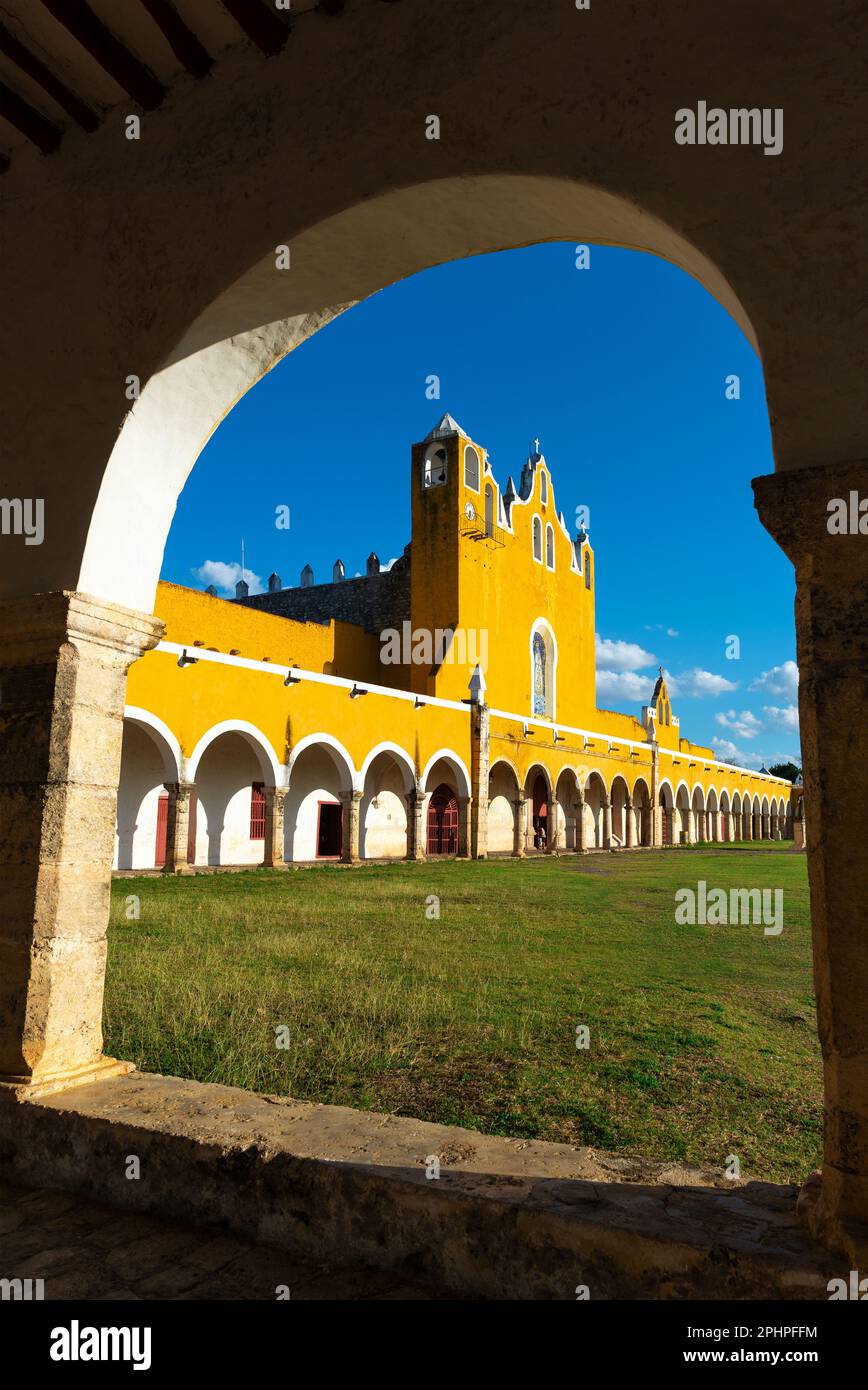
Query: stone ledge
508	1218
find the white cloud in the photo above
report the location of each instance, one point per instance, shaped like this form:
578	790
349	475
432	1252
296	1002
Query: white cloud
744	725
225	576
658	627
672	632
629	686
622	656
730	752
782	716
779	680
698	683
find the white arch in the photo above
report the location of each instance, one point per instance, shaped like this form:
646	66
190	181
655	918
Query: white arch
399	754
335	747
684	786
728	807
455	763
665	782
501	758
698	787
536	769
595	772
165	740
249	732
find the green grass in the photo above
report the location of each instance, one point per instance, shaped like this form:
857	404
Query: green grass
702	1039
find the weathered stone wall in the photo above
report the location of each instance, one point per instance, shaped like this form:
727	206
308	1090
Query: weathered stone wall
374	602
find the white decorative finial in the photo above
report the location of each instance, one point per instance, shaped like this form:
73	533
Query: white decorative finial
477	686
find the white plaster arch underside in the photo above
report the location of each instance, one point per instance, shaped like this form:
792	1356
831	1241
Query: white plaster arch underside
165	740
337	752
457	765
264	314
401	757
273	773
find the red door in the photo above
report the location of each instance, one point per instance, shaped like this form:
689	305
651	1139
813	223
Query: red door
666	820
329	830
442	822
162	828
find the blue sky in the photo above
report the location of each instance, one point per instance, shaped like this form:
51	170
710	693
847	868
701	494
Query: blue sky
620	370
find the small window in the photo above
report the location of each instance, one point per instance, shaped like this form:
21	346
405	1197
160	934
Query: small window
543	487
257	811
537	539
471	468
550	547
587	569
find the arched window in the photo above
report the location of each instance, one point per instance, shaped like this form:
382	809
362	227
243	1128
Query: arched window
539	674
587	569
543	659
543	487
537	539
434	471
471	468
489	510
550	547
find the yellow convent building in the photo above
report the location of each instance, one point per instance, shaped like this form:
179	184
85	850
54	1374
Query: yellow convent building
445	705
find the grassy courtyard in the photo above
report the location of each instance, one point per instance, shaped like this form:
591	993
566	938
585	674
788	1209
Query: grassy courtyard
702	1038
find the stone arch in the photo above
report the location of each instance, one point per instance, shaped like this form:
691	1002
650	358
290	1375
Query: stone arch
712	814
503	793
641	812
619	795
150	763
726	829
538	792
386	780
567	810
456	766
596	808
683	815
231	767
272	773
321	781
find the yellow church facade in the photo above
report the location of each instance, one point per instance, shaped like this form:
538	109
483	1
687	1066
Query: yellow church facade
445	705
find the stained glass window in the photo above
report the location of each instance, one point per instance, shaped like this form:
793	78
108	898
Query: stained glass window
539	675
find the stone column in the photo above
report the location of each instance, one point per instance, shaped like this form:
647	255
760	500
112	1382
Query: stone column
480	764
274	802
520	842
553	830
464	809
178	827
580	824
415	801
832	651
63	664
607	824
351	827
629	823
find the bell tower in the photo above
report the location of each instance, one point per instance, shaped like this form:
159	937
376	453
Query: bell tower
445	490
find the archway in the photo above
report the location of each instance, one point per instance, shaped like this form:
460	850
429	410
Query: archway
712	811
683	816
619	798
596	803
315	813
446	786
231	773
387	778
442	822
150	764
698	817
667	813
539	806
641	812
503	790
567	811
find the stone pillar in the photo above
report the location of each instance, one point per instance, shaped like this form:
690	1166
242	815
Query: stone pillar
607	823
553	830
580	824
351	827
63	664
415	801
464	812
748	828
520	843
629	823
480	764
689	826
274	802
832	652
178	827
